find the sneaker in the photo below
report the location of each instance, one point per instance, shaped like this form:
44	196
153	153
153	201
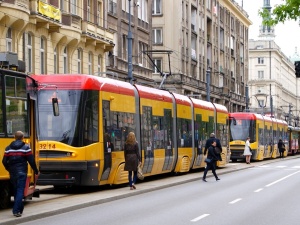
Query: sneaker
17	214
204	180
217	178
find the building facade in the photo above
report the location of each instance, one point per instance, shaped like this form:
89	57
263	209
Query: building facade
273	87
203	35
54	36
140	27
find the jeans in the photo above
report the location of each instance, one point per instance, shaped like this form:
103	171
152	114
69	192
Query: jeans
18	181
132	180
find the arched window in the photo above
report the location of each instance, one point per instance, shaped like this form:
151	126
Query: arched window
43	57
9	40
29	52
55	59
90	63
99	69
65	59
79	60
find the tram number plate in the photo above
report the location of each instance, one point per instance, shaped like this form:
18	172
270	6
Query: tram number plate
47	146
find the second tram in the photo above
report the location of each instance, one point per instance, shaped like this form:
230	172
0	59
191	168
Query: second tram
264	133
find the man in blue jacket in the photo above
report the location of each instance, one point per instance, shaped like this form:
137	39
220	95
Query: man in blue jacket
15	159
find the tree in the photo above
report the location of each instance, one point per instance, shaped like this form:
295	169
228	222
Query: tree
290	10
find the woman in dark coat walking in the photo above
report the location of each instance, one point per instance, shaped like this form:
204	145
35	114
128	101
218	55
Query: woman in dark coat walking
212	164
132	159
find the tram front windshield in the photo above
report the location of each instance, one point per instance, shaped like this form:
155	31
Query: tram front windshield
241	129
78	122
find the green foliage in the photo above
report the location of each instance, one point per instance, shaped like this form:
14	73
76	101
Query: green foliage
290	10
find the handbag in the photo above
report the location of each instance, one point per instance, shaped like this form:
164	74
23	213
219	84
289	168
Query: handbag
207	160
140	173
218	150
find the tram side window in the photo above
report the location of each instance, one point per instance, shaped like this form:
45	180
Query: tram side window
184	132
158	132
91	118
117	125
1	110
168	128
199	133
211	125
222	134
16	105
147	137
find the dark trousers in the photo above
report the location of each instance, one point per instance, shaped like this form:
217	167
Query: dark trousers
132	180
210	166
18	181
281	154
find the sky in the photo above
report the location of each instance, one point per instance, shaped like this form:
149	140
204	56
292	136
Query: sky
287	34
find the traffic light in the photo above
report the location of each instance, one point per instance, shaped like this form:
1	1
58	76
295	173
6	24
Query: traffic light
297	69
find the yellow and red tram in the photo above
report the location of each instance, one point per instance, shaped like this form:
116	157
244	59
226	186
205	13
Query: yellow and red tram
18	97
84	144
264	133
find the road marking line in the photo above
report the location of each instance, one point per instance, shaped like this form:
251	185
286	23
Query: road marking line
280	166
200	217
296	167
263	166
258	190
235	201
281	179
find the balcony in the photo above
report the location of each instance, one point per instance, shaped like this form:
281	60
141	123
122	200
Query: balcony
46	16
97	36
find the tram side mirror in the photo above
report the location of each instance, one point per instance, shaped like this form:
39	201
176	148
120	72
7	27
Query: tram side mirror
55	106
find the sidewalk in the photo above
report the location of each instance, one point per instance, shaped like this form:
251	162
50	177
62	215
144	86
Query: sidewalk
48	205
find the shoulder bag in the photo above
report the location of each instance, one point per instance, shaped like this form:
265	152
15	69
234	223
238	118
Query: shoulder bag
207	160
140	174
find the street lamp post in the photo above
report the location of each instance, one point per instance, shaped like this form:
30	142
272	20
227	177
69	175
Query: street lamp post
129	45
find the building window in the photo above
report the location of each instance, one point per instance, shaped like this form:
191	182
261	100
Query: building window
89	10
73	7
28	39
99	13
260	60
158	67
9	40
79	61
142	47
55	61
261	103
124	47
43	55
99	69
112	7
260	74
90	63
157	36
156	7
143	10
65	59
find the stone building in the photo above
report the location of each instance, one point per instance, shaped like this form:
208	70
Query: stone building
140	26
202	35
54	36
273	87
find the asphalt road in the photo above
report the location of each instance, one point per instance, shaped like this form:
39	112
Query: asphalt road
262	193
